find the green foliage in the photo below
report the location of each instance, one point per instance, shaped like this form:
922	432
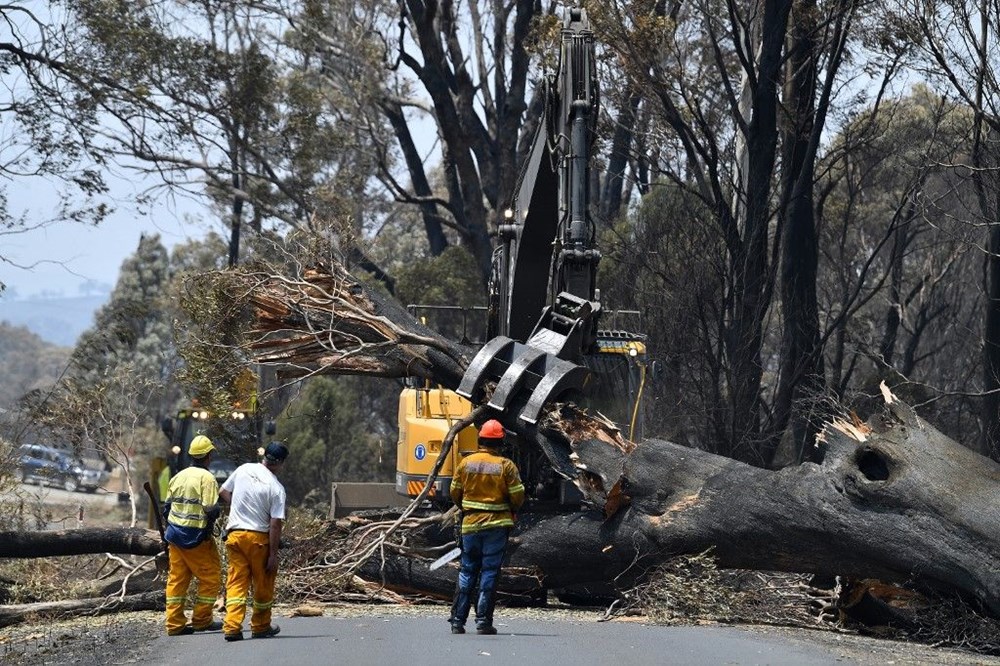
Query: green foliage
448	279
134	328
27	363
217	318
123	375
339	429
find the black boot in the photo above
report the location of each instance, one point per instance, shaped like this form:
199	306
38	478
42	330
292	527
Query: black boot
484	612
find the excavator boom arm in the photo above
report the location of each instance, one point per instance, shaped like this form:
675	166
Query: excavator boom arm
546	305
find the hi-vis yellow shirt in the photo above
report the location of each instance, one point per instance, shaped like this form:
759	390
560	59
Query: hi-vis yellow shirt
489	490
190	492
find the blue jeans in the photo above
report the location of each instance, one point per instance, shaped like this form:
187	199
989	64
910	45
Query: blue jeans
482	554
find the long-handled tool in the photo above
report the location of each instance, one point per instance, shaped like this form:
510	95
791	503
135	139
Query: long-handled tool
157	513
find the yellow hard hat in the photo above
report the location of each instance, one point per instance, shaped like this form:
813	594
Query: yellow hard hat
200	446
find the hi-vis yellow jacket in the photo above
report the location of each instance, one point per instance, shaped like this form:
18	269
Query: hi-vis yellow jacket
190	493
489	490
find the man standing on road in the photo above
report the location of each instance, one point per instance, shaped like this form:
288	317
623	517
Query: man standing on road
256	512
190	508
487	488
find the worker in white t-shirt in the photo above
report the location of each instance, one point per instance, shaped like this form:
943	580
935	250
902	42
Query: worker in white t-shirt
256	512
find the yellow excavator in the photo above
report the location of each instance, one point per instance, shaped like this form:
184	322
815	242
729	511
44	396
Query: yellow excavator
544	340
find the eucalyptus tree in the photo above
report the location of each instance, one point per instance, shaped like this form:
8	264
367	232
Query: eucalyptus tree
957	50
899	293
134	329
37	144
738	97
441	80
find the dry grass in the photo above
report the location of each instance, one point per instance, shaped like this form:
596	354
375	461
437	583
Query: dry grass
691	590
50	578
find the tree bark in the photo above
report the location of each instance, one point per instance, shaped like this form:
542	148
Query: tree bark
76	607
133	541
437	242
891	499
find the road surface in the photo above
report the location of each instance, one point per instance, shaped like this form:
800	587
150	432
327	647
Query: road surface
52	495
427	641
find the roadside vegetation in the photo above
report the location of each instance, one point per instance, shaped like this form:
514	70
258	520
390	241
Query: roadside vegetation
800	203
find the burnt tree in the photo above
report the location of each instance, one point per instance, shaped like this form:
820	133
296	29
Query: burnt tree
892	498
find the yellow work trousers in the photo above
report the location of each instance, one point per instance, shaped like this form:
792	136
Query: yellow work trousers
247	553
202	563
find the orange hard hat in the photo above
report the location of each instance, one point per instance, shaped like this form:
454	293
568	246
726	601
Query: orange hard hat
492	429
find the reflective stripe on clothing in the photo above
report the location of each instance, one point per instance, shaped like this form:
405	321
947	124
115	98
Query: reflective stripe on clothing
247	552
201	563
485	506
488	488
474	525
190	492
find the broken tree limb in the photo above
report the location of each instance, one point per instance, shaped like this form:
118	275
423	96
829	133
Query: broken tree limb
77	607
893	498
327	322
133	541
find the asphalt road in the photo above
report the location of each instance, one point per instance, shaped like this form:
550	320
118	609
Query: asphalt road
426	641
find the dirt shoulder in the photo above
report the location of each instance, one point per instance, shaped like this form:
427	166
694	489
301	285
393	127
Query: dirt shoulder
126	638
122	638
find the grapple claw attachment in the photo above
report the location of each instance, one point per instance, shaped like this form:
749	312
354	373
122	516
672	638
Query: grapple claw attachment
526	377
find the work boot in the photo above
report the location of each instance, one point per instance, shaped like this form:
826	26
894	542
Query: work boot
457	629
238	636
186	630
273	630
488	630
211	626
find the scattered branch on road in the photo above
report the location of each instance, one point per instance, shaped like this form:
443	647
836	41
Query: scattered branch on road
876	501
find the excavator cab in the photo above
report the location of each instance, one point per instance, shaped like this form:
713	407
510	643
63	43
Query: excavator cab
426	412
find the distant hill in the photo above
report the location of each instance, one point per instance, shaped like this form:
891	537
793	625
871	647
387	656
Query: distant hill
27	362
59	321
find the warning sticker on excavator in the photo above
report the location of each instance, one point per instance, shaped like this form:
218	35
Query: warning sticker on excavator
420	452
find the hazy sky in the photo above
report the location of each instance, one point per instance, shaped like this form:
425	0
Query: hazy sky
64	256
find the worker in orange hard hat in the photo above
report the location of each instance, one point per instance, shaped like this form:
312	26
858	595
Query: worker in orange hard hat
487	488
190	508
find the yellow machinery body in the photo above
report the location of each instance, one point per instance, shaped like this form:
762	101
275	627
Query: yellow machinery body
425	417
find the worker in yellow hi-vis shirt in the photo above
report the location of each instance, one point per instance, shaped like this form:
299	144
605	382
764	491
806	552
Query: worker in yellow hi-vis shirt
487	487
191	507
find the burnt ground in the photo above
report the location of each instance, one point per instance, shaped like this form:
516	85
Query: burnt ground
127	638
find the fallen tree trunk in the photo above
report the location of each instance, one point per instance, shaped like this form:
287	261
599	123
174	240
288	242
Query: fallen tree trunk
892	499
407	575
132	541
74	608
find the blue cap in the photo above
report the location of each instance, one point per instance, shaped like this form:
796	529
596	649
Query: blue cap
276	451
